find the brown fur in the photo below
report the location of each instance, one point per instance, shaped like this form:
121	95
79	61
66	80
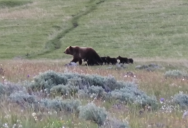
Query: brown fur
86	53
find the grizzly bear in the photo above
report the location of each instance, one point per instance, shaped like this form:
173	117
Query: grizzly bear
110	60
86	53
123	60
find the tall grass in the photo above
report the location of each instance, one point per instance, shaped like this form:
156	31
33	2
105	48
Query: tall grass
153	83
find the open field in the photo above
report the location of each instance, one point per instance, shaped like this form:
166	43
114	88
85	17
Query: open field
34	34
43	29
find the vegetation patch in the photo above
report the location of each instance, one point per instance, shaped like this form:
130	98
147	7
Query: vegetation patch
114	123
93	113
13	3
176	74
182	100
91	85
59	105
149	67
2	89
21	98
9	88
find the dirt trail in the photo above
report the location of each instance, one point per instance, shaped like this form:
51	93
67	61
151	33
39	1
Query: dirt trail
55	43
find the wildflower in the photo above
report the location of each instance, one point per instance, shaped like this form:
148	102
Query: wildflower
5	125
14	126
34	114
125	75
162	100
185	114
50	113
20	126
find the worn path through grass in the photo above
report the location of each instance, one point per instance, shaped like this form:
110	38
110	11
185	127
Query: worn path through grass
55	42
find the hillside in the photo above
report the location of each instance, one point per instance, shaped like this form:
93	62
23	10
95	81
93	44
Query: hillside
136	28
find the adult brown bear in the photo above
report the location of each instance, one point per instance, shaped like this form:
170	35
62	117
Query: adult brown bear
86	53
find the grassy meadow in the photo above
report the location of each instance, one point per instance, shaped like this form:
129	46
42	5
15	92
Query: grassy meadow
43	29
34	34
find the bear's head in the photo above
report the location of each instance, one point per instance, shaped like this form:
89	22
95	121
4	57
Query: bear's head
119	57
69	50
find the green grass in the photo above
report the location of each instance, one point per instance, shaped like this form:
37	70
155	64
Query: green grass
10	3
43	29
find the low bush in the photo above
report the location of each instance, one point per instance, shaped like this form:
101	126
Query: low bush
93	113
9	88
114	123
61	105
99	91
64	90
22	97
149	67
47	80
91	86
176	74
2	89
181	99
131	94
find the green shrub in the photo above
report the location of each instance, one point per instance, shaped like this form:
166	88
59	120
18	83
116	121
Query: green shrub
131	94
47	80
9	88
2	89
175	74
181	99
83	94
64	90
22	97
149	67
93	113
91	85
99	91
61	105
114	123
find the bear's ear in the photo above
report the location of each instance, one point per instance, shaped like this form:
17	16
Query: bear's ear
70	47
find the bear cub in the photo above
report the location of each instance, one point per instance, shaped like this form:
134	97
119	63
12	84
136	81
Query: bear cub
124	60
110	60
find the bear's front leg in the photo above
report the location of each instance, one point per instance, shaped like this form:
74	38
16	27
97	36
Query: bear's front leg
75	60
80	61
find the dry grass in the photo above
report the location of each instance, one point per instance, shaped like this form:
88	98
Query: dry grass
153	83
